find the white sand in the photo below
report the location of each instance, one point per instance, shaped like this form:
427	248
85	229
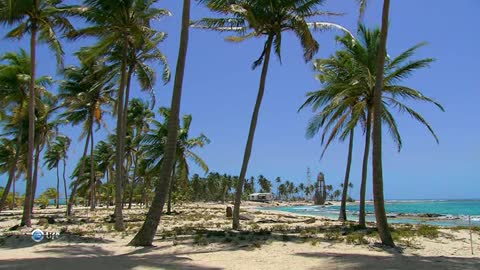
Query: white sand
102	248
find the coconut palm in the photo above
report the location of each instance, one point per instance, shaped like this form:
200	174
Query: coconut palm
154	149
8	160
357	65
52	160
146	233
42	19
86	93
56	153
105	158
14	84
126	37
139	117
269	20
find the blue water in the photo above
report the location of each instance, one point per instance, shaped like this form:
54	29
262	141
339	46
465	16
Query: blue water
454	213
61	201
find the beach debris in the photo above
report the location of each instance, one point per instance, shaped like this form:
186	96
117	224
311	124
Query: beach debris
246	217
51	220
310	220
229	212
42	222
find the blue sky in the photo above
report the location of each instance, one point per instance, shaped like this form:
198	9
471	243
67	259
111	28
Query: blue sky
220	91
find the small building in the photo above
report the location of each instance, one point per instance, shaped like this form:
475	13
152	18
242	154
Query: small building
260	197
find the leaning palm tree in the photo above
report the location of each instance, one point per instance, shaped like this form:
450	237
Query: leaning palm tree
124	31
86	93
269	20
42	19
145	235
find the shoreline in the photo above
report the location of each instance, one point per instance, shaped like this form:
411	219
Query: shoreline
394	218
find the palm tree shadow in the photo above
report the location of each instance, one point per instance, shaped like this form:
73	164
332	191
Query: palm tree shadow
94	257
396	260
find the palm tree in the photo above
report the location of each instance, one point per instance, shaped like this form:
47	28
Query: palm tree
42	19
85	91
9	157
105	158
124	31
154	145
52	159
378	200
146	233
268	19
139	117
14	85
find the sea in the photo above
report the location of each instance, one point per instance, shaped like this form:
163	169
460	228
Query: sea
447	213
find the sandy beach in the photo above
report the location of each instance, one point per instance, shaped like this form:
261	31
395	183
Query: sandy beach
198	236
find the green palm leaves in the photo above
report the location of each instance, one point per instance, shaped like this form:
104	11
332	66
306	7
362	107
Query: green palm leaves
348	79
345	101
269	18
47	17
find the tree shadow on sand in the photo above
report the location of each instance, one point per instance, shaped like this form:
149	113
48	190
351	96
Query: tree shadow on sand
15	241
93	258
393	261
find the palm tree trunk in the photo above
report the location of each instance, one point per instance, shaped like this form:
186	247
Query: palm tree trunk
57	205
146	234
27	211
12	206
120	155
65	180
343	205
11	173
172	182
92	169
35	175
381	217
130	200
363	186
251	134
80	173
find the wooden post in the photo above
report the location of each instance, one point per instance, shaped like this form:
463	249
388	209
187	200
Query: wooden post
470	226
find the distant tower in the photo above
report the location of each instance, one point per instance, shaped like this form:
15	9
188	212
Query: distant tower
320	190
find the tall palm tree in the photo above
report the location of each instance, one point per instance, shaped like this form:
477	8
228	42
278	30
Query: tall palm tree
14	85
85	92
145	235
105	158
139	117
350	74
267	19
42	19
378	200
52	159
8	160
123	29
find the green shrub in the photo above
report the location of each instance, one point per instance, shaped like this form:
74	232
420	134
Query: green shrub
332	236
42	201
428	231
356	239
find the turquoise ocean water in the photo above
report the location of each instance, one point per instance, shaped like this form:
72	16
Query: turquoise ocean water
452	212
